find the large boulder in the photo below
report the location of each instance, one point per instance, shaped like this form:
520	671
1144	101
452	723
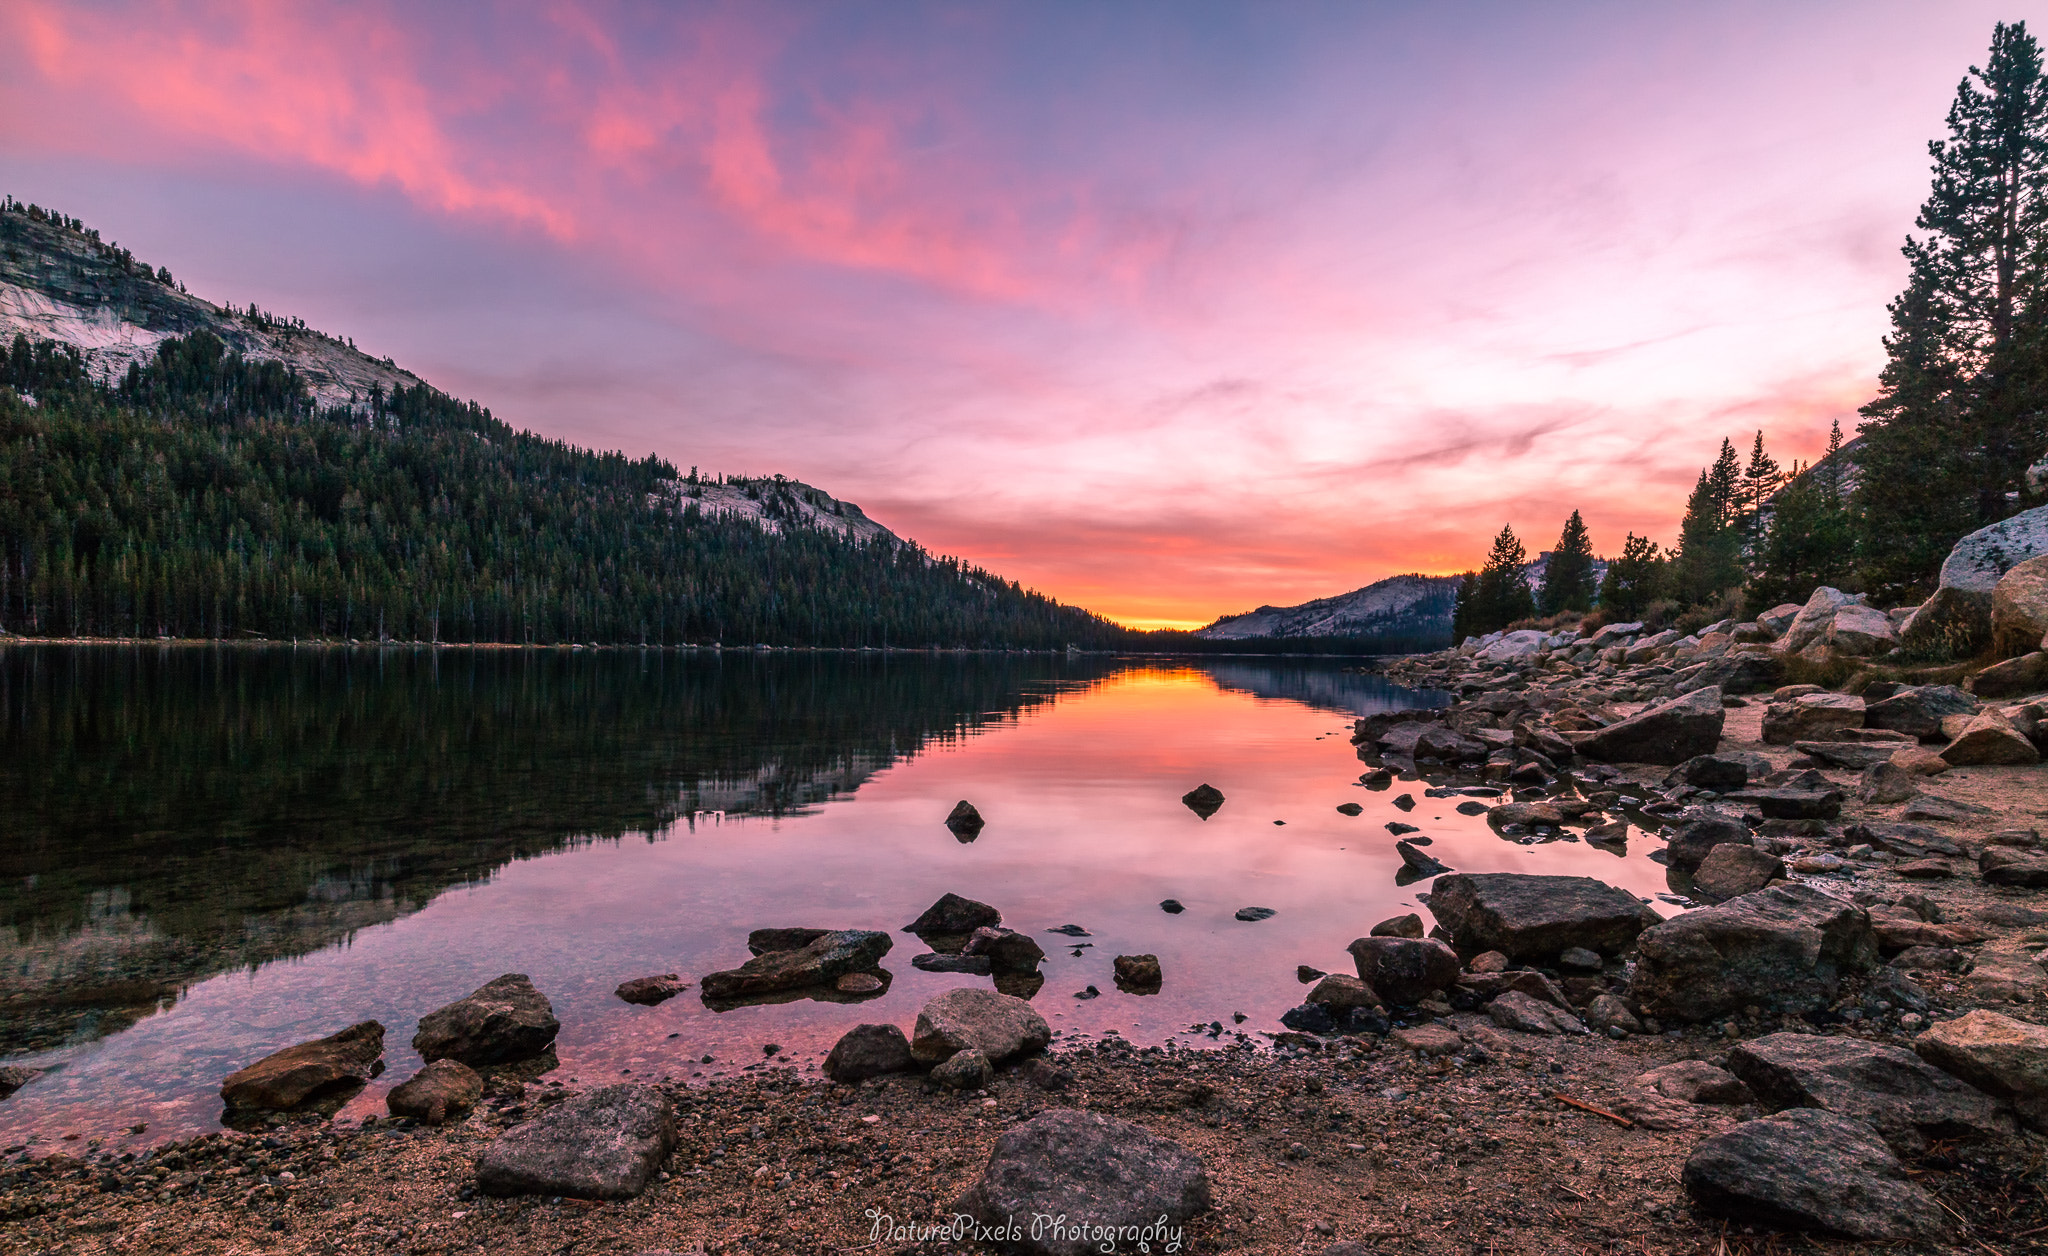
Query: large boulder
604	1144
1747	671
953	914
1990	739
997	1025
2026	674
1918	711
1811	717
308	1072
2024	869
1814	619
1896	1093
442	1091
1958	616
1811	1170
504	1020
1514	647
1063	1182
1695	833
2019	608
868	1051
1994	1053
825	960
1783	947
1668	733
1860	631
1529	917
1405	970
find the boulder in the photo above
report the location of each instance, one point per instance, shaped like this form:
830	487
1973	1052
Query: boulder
825	960
1613	634
1731	870
1405	970
1097	1174
997	1025
964	1070
1748	671
648	991
1668	733
868	1051
953	915
2024	869
964	821
1341	993
1994	1053
307	1072
1811	1170
1777	619
1931	807
1417	862
1529	917
1712	771
1695	1081
1408	926
442	1091
1695	833
1204	800
2013	678
2019	608
1811	624
1885	783
1990	739
1958	616
1785	947
1918	711
1861	631
502	1021
1141	971
1517	1011
1008	951
14	1076
1811	717
1514	647
1439	741
1919	760
1895	1092
606	1143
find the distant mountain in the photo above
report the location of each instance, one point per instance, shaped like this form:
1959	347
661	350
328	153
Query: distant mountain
171	467
1409	607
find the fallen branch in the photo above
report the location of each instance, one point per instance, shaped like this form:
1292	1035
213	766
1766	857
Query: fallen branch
1622	1121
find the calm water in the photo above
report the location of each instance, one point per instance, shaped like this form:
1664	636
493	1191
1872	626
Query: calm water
210	854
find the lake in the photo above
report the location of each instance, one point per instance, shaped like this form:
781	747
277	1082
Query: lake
210	853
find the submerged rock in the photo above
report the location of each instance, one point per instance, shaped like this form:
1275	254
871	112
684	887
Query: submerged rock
307	1072
997	1025
820	963
648	991
1007	950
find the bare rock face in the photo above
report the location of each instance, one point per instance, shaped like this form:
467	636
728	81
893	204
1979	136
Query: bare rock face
442	1091
1405	970
997	1025
824	961
1534	917
1668	733
1812	1170
1783	947
502	1021
1101	1174
307	1072
1888	1088
2019	609
605	1144
868	1051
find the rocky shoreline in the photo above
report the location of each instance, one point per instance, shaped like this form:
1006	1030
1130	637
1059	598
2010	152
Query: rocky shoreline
1843	1037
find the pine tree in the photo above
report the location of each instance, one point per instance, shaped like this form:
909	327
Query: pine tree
1568	579
1463	621
1958	416
1709	558
1760	479
1634	580
1501	596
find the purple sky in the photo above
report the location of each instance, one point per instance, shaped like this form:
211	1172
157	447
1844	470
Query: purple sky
1166	309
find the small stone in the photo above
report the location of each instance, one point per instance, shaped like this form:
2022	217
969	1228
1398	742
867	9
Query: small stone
1204	800
441	1091
964	820
964	1070
1256	913
1172	906
648	991
1138	970
1349	809
859	983
1580	958
1408	926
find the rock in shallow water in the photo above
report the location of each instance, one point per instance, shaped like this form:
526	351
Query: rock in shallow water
822	962
1204	800
648	991
1811	1170
1534	917
1097	1173
997	1025
953	914
308	1071
605	1144
502	1021
1405	970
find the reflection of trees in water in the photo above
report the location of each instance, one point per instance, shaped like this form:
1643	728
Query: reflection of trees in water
179	812
1329	687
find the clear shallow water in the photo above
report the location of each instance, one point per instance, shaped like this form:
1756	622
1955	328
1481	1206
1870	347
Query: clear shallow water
213	854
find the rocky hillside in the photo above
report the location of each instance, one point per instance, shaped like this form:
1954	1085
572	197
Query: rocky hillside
1410	606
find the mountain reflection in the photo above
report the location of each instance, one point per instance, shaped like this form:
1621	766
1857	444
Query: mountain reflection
180	812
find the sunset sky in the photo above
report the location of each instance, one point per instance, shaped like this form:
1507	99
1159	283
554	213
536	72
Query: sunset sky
1166	309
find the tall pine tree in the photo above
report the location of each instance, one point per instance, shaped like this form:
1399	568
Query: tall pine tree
1502	595
1960	409
1709	558
1568	578
1760	479
1633	580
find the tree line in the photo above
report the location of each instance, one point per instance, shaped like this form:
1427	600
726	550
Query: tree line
206	495
1956	438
